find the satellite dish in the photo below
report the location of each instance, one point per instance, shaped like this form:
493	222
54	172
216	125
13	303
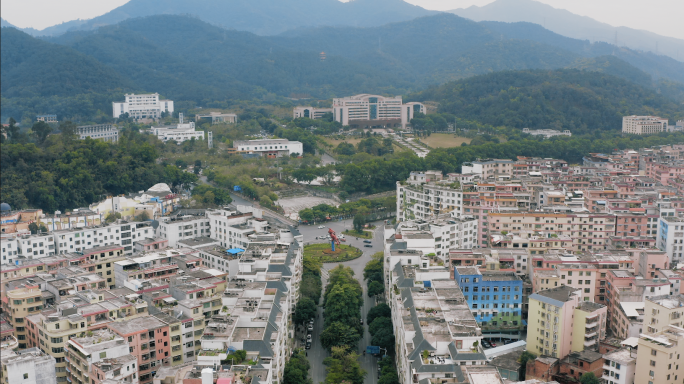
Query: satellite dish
155	224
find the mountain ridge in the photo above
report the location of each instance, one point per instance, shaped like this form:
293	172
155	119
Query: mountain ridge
568	24
262	17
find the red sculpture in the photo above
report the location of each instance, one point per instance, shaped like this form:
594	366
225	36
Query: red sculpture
334	240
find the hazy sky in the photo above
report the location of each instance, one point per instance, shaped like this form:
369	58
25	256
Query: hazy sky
660	16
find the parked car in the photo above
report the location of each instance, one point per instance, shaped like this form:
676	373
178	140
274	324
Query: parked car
343	239
361	321
310	328
486	344
321	227
308	345
367	241
368	245
492	343
308	338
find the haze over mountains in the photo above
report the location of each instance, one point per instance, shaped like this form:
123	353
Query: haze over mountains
571	25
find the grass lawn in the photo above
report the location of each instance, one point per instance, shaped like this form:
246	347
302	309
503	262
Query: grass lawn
346	252
363	234
444	140
335	142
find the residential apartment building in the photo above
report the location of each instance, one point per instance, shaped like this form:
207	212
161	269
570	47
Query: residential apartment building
82	355
643	125
147	106
148	340
495	299
489	169
670	237
658	356
175	229
430	315
619	366
20	303
560	323
28	366
661	311
366	110
104	132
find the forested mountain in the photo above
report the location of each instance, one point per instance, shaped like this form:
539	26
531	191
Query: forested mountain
574	26
442	47
656	65
28	68
198	64
263	17
562	99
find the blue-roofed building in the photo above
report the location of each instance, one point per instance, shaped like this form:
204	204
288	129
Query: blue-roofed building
495	299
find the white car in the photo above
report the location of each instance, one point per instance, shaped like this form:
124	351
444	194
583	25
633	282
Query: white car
321	227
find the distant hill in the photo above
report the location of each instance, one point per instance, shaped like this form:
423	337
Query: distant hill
198	64
571	25
38	68
580	101
262	17
5	23
657	66
444	47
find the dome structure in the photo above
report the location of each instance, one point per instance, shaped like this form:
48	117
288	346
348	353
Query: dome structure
4	207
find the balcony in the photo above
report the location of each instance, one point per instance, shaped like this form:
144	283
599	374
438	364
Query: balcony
589	343
591	324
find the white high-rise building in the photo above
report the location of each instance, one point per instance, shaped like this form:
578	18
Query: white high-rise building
643	125
142	106
372	110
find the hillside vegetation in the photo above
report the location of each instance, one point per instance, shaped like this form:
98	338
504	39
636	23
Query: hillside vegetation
562	99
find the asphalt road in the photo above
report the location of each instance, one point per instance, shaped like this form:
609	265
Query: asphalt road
317	353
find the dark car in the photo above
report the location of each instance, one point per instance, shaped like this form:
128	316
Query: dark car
308	345
368	245
361	321
486	344
367	241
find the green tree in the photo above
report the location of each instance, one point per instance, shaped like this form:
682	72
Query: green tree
266	201
375	288
306	214
338	334
343	367
40	131
306	309
380	310
112	217
182	164
384	338
297	369
374	266
378	324
358	222
589	378
33	227
68	130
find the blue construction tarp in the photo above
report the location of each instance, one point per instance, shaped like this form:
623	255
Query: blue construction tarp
235	251
427	284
